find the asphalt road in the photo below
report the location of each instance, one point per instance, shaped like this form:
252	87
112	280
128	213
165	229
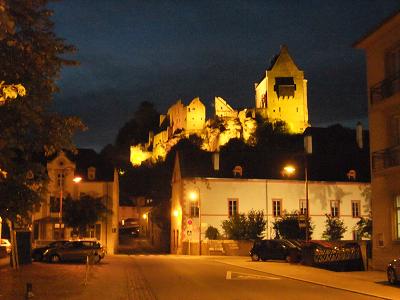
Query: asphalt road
172	277
124	277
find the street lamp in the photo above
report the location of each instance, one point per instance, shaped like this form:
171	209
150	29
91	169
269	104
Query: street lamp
195	196
61	179
289	170
146	218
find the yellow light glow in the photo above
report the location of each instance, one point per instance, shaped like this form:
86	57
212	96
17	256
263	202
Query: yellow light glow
138	155
144	216
193	196
77	179
289	169
176	213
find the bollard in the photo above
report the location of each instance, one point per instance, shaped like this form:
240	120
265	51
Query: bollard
87	269
29	293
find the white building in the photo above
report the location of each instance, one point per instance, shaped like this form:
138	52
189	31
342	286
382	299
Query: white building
220	198
96	181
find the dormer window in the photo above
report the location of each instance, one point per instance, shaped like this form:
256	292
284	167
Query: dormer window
352	175
238	171
91	173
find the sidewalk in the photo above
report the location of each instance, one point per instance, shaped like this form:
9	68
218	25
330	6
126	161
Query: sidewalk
373	283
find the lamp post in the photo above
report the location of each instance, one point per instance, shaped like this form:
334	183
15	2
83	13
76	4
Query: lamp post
195	196
77	179
307	151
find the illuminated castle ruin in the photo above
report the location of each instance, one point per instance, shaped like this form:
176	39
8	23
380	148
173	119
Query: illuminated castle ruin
281	95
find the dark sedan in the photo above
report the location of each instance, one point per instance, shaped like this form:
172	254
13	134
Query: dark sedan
75	251
275	249
37	253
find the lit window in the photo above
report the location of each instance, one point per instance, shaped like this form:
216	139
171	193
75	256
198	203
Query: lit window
276	208
355	209
194	209
232	207
335	208
398	216
303	206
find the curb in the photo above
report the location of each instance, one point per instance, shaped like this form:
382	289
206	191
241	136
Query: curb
309	281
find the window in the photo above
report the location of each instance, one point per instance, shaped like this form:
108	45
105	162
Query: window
355	209
232	207
303	206
392	61
397	204
60	179
335	208
395	126
54	204
276	207
194	209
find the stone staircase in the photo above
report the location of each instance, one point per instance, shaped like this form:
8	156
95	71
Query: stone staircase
216	248
231	247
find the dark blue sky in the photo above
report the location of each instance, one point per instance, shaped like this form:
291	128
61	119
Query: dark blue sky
162	51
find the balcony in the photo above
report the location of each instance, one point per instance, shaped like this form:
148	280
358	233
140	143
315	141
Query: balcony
385	89
385	159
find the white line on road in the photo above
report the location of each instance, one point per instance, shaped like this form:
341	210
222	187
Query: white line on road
243	276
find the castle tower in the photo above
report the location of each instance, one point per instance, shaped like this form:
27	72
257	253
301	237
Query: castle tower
282	93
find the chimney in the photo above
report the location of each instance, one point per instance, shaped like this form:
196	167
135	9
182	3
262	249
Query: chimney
359	135
215	161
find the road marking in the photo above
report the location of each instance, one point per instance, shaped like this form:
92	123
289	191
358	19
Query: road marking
243	276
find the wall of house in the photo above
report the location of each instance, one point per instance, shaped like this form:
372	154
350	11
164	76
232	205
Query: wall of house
108	191
258	194
384	135
195	116
292	110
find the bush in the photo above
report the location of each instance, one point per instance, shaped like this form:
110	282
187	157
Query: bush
364	227
288	227
334	229
242	227
212	233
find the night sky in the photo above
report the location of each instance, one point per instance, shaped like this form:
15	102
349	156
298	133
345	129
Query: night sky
162	51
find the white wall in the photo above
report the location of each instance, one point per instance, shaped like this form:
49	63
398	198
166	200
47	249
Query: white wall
253	194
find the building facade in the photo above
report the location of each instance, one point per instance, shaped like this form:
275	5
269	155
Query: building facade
382	48
62	170
217	199
282	93
280	96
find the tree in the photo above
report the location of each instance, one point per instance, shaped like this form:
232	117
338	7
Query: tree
255	224
288	227
81	213
235	227
30	55
212	233
364	227
242	227
334	229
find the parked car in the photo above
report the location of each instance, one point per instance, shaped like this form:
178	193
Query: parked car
275	249
6	243
37	253
393	271
75	251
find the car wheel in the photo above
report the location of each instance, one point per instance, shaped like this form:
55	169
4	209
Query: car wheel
288	259
55	258
255	257
96	259
391	275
